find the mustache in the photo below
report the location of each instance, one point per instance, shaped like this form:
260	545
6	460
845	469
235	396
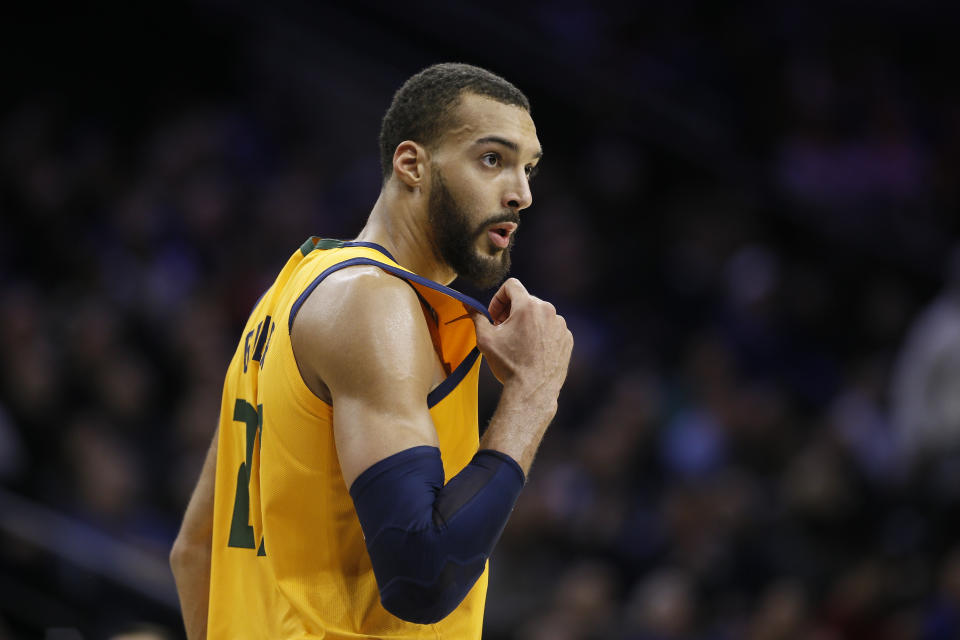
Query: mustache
506	216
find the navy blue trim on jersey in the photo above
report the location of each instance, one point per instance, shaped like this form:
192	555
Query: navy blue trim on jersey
451	381
406	275
369	245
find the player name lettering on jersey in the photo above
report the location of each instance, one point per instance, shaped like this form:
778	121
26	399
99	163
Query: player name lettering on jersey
259	341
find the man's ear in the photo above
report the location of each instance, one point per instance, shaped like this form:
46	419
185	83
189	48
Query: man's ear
410	163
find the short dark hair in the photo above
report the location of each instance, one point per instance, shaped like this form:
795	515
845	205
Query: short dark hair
421	108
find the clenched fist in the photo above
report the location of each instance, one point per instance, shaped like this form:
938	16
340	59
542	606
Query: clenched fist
528	344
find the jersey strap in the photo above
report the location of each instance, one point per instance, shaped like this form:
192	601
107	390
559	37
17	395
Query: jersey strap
450	307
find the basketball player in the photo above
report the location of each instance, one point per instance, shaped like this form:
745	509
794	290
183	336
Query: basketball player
347	494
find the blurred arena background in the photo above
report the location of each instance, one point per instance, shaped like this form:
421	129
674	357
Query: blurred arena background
748	215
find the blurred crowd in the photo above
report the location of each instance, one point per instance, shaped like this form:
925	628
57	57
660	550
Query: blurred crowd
760	433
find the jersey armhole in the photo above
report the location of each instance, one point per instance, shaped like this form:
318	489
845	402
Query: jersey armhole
453	377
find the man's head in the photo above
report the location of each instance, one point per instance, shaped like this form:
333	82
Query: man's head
464	137
423	108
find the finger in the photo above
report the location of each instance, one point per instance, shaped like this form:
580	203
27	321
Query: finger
503	299
499	308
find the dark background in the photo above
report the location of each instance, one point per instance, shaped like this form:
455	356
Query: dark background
747	215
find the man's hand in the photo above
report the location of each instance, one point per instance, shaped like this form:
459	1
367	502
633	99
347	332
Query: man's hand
528	349
528	343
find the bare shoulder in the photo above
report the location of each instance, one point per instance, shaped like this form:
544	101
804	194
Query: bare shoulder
360	327
354	298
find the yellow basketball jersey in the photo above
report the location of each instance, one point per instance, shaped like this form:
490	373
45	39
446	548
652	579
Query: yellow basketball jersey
288	558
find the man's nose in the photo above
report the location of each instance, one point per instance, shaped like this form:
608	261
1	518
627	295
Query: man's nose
518	196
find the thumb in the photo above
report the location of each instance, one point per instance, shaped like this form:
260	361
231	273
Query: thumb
481	324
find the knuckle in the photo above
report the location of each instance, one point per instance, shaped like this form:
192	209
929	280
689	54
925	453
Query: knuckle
543	305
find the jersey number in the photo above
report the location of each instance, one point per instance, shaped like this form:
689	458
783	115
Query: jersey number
241	532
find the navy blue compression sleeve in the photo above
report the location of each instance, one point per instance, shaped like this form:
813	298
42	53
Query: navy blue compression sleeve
429	542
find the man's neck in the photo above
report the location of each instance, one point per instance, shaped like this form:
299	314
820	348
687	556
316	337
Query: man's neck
399	223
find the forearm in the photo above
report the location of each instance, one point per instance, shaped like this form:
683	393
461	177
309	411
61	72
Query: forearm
519	423
429	541
527	346
190	556
191	572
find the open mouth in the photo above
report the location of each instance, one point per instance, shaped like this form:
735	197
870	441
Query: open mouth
500	233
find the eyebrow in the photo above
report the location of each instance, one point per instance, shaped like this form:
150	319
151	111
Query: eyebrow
507	143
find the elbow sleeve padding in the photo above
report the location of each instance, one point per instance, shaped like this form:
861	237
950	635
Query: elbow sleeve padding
429	542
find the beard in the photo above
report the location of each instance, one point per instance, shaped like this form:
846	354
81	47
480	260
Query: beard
455	238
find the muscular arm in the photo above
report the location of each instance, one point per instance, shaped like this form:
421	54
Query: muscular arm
361	335
190	556
363	339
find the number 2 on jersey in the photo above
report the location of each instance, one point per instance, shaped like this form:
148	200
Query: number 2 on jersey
241	532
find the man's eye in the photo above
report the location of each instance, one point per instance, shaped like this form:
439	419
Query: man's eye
490	159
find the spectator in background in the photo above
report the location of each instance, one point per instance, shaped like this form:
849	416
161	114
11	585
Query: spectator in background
925	384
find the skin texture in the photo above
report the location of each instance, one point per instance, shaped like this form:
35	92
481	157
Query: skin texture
485	161
190	556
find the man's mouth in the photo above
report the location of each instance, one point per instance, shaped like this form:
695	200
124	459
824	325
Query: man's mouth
500	233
